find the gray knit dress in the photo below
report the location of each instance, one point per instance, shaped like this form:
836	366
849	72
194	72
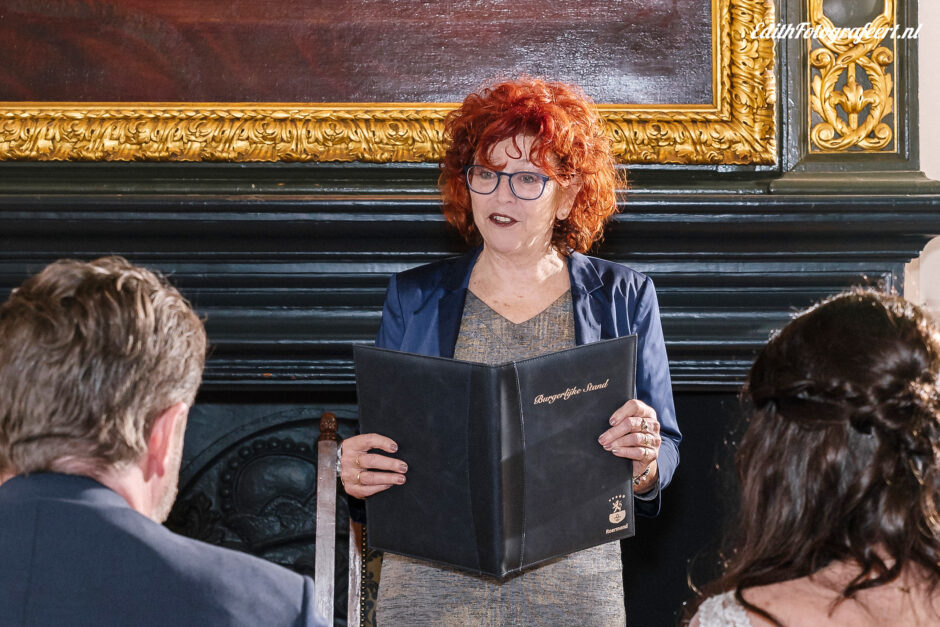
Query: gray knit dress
584	588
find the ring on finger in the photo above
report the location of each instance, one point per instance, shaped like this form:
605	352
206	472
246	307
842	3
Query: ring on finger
358	465
359	478
644	426
647	453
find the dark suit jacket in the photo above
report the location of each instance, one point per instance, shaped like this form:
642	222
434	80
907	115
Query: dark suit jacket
423	307
72	552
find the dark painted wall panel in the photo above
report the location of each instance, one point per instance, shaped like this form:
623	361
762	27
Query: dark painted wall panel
289	283
620	51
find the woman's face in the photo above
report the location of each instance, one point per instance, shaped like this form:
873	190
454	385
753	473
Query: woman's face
508	224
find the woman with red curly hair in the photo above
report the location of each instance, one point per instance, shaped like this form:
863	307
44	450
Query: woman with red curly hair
529	180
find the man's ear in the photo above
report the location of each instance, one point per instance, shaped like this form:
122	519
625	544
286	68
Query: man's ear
162	437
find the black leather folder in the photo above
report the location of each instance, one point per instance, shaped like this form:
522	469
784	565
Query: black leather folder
504	467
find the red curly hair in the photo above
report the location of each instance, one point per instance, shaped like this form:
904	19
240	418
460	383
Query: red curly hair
570	142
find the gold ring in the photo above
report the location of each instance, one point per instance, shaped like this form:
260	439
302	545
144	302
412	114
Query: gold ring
647	453
358	465
644	426
359	477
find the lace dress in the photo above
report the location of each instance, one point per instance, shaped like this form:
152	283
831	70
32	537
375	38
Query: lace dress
584	588
722	611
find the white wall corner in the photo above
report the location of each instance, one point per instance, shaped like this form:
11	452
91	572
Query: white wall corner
928	53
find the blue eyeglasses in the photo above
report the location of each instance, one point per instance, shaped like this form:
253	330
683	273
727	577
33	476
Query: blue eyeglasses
524	185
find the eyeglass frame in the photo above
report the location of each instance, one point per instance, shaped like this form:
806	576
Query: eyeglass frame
499	175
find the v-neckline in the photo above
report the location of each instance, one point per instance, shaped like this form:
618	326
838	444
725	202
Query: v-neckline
527	320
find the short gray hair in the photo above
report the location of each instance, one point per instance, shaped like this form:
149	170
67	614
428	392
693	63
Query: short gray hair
90	354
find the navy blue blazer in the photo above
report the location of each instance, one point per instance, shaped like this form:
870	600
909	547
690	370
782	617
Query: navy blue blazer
423	307
73	552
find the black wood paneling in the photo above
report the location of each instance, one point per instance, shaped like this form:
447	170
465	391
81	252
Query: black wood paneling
289	282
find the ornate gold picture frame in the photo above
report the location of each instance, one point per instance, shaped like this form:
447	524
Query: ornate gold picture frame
736	128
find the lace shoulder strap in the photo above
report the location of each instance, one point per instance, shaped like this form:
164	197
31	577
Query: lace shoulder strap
722	611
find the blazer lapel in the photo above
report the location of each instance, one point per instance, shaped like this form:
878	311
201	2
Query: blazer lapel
587	315
450	306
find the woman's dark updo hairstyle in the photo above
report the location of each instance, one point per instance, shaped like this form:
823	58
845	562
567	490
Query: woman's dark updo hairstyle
841	459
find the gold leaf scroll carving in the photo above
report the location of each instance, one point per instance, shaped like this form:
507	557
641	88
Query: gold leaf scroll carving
741	129
861	124
234	132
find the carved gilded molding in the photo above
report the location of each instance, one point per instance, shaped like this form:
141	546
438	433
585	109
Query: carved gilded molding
851	117
740	129
737	128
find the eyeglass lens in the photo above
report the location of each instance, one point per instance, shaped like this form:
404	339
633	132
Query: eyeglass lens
525	185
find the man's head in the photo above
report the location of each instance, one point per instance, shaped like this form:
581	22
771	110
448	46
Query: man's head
98	364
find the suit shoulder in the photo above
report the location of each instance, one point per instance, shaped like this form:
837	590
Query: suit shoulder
200	565
205	583
613	266
255	587
430	274
614	272
211	557
415	287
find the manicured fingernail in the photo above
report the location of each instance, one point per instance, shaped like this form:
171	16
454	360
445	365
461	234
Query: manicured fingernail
614	451
613	420
402	468
603	439
394	447
401	480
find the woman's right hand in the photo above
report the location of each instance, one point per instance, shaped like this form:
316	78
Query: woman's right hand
363	473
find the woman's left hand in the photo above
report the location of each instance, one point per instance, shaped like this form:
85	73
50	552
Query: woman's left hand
634	434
